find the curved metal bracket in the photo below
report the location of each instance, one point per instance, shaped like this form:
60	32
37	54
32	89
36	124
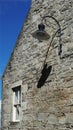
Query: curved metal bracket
59	35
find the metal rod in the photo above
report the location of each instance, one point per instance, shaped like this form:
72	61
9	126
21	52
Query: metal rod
59	34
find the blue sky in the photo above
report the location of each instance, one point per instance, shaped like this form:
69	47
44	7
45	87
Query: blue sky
12	16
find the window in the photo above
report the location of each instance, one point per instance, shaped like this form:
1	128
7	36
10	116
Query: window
16	103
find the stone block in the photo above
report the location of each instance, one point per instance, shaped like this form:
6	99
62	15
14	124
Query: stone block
52	119
69	118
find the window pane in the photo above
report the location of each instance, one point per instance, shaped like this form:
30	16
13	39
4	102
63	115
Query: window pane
16	102
16	97
17	112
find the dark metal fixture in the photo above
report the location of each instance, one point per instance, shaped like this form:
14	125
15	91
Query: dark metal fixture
41	34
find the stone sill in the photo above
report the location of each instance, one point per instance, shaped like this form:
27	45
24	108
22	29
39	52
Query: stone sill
14	122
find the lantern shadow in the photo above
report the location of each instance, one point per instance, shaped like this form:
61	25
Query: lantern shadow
45	73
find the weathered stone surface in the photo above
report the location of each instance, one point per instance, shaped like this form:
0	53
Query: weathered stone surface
69	118
52	119
51	106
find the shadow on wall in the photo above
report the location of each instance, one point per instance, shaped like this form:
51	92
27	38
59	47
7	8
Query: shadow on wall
45	73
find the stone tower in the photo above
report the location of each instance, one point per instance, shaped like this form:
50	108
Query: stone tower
32	101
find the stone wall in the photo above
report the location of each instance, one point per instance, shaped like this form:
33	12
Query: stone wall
49	107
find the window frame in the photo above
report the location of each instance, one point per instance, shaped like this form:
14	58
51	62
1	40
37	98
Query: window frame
16	87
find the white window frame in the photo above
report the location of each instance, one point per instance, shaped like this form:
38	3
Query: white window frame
16	102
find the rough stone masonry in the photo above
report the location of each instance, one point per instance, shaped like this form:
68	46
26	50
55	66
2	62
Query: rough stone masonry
49	107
